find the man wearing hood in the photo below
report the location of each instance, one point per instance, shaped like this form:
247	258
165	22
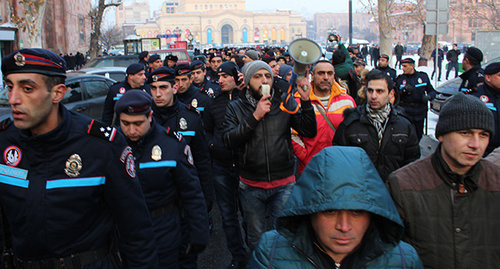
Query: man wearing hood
339	215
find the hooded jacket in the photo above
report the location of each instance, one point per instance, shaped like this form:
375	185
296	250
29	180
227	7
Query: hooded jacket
338	178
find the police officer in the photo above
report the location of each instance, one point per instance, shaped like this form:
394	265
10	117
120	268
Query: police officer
166	171
473	76
415	90
199	72
135	80
67	181
383	65
171	61
187	92
489	93
215	60
155	62
176	116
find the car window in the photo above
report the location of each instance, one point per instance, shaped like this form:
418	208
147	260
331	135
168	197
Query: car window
125	62
104	63
96	88
118	76
73	93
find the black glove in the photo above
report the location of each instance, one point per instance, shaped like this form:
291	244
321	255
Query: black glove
194	248
425	98
407	90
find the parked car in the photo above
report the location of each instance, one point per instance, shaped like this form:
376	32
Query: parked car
85	95
448	89
112	61
115	73
182	54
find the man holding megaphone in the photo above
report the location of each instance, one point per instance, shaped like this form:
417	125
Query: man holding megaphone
258	125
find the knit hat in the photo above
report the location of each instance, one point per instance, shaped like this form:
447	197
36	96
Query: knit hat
463	112
252	54
284	70
250	68
230	68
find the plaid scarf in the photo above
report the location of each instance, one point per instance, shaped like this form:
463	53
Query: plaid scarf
378	117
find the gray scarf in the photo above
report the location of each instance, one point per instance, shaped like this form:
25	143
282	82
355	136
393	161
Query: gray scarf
378	117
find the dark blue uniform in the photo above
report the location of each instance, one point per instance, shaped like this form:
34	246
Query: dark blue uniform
167	174
212	76
65	191
194	97
209	88
472	79
115	92
491	98
415	91
391	72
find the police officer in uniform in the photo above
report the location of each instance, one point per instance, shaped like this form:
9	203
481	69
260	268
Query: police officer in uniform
415	90
489	93
185	120
215	60
187	93
383	65
67	181
171	61
199	72
473	76
167	173
135	80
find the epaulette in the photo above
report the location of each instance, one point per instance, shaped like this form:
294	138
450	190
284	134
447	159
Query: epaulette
173	134
193	109
5	124
101	130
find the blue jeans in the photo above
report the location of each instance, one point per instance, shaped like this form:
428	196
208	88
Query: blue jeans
226	190
452	65
257	204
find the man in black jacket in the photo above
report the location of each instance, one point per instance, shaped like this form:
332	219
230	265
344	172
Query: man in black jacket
398	51
258	125
452	57
473	76
383	132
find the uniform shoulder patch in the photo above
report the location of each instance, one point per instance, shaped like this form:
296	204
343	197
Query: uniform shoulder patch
101	130
193	109
5	124
173	134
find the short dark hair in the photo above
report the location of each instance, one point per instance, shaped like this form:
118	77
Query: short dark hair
472	60
51	81
338	57
376	74
321	61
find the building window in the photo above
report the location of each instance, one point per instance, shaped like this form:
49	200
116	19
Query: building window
220	6
196	7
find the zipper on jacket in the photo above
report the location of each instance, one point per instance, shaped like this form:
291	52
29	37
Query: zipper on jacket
266	150
307	257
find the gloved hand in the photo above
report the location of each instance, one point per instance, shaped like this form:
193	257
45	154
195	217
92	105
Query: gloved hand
425	98
407	90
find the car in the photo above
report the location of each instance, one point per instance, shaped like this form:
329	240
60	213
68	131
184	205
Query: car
85	94
448	89
182	54
115	73
112	61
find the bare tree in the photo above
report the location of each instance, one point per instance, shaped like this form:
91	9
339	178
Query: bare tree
384	25
96	14
30	19
111	36
486	10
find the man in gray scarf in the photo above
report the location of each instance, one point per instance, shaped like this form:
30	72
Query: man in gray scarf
382	131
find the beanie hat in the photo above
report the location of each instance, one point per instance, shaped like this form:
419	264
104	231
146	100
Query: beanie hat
284	70
230	68
250	68
462	112
252	54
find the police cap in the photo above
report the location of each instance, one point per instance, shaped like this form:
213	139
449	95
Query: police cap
384	56
40	61
196	65
172	58
134	102
408	61
163	73
201	58
154	58
135	68
182	69
475	53
492	68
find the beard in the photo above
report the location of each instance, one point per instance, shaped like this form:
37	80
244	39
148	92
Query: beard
257	94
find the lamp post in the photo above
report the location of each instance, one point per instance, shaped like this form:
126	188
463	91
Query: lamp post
453	22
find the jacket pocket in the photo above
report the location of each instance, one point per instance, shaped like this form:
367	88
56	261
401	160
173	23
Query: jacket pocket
399	139
357	139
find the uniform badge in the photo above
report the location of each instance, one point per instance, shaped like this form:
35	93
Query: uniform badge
183	124
154	78
484	98
130	165
194	103
388	74
419	80
403	82
73	165
156	153
480	75
466	83
187	152
210	91
125	152
122	90
12	156
19	59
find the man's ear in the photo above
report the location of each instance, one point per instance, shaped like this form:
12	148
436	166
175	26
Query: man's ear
58	92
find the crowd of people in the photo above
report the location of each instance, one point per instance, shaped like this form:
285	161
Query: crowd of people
325	168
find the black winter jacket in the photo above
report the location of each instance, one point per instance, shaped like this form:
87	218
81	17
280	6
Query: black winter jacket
399	145
265	147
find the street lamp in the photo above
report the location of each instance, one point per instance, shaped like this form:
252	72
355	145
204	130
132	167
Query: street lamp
453	22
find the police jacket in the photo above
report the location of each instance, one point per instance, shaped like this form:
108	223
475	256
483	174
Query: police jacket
391	72
294	245
415	90
452	55
64	192
265	150
115	92
209	88
187	122
399	145
194	97
167	174
450	219
471	79
213	119
212	75
491	98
